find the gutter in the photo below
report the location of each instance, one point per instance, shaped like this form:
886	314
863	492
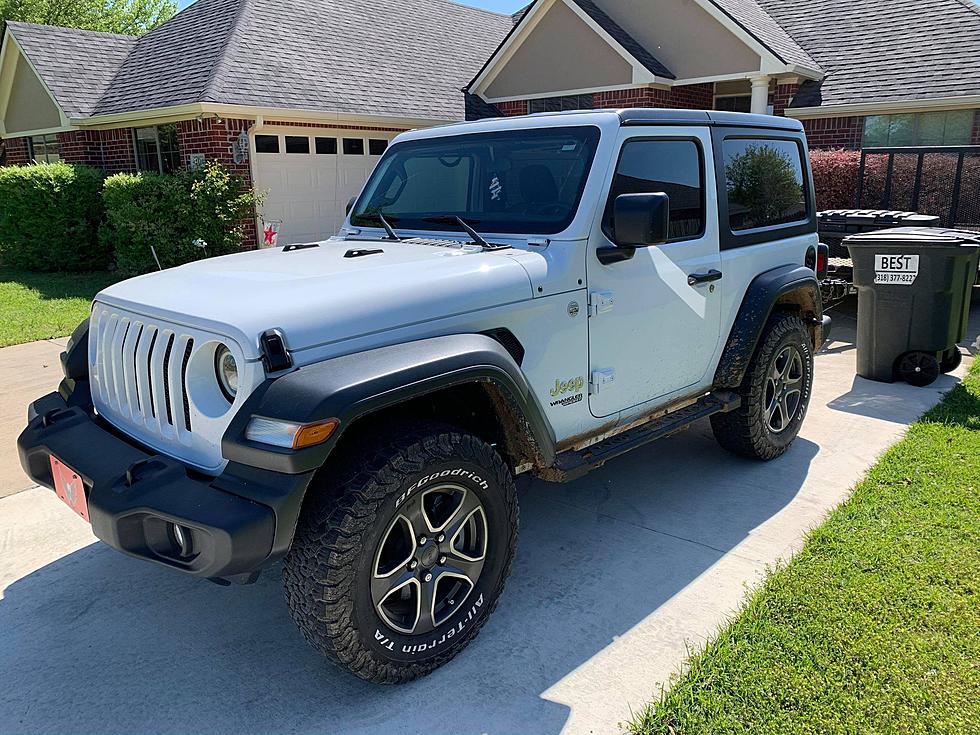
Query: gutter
967	102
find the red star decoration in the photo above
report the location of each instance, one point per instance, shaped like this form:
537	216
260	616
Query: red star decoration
270	235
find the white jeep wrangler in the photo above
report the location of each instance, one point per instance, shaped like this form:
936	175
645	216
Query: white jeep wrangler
528	295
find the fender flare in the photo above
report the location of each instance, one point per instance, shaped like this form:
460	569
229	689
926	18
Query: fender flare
353	386
757	306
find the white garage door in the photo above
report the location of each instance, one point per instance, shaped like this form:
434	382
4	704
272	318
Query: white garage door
309	175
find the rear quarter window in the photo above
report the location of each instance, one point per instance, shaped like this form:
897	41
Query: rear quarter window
765	183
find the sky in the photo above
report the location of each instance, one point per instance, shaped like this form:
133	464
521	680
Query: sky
500	6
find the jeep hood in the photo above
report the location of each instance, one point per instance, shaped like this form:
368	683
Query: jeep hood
324	294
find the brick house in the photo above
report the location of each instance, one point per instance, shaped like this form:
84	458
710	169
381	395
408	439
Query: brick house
299	97
302	97
856	72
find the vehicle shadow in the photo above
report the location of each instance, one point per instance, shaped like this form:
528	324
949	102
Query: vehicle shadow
99	642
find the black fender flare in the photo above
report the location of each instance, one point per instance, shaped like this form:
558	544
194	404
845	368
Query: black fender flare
353	386
759	301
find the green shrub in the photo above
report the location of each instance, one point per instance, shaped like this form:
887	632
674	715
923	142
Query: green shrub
168	214
49	218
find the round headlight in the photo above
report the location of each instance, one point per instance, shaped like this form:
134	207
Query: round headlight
226	370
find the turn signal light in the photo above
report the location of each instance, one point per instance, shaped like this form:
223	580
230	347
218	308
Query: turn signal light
287	434
312	434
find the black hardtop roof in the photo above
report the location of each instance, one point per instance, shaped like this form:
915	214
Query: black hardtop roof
645	116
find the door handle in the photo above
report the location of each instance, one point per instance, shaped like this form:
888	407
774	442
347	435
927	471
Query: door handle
696	279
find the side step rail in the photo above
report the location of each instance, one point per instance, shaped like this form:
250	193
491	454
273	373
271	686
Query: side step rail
572	465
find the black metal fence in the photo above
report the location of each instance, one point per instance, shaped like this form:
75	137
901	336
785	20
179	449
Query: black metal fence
943	181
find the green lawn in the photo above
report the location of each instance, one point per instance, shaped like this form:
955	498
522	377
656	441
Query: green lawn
875	626
42	305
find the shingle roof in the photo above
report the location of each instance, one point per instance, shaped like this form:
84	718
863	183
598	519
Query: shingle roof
404	59
759	23
875	51
77	66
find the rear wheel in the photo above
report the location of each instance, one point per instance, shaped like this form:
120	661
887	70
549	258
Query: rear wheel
394	572
775	393
918	368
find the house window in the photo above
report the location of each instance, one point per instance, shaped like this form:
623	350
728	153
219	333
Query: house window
764	180
953	127
44	149
326	146
376	146
156	149
353	146
297	144
673	167
558	104
266	143
734	103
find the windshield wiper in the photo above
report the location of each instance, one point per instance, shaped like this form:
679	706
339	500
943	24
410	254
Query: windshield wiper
378	217
451	219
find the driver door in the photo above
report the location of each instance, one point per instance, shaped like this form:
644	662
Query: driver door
653	329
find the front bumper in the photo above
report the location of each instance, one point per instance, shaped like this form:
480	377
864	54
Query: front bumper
238	522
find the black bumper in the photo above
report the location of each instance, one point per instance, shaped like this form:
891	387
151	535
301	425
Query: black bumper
239	522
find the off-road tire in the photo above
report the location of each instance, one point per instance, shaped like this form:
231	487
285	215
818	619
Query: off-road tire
746	431
329	571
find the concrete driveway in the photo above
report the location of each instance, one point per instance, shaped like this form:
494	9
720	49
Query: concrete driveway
617	575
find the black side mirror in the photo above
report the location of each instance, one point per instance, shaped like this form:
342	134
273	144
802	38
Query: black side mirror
639	221
350	205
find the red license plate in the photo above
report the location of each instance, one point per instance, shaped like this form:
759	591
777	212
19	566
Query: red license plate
69	486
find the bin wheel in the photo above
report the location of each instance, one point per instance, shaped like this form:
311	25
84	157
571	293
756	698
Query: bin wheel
951	360
918	368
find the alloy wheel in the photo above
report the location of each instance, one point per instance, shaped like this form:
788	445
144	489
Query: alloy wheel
429	559
784	389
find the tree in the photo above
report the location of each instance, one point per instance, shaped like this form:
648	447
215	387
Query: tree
131	17
763	185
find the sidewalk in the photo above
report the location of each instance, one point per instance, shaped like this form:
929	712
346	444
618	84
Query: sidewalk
27	372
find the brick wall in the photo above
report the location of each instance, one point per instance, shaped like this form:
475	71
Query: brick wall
835	132
216	140
510	109
782	96
17	151
694	96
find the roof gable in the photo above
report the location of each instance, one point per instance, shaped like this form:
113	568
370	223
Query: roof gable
76	66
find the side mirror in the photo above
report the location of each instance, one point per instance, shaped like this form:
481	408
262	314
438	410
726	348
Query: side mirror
639	221
350	205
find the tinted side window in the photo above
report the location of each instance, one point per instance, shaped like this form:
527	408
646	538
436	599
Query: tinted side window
764	181
673	167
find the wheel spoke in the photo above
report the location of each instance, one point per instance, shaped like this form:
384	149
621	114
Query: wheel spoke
382	587
427	600
783	413
470	504
456	564
407	617
438	506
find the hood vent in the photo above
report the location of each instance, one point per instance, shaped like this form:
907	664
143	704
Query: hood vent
362	253
300	246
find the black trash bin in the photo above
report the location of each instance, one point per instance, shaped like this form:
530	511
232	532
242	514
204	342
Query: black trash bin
914	287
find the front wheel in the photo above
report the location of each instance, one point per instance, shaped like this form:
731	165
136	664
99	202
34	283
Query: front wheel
394	572
775	393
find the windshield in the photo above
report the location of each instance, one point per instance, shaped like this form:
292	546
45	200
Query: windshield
515	181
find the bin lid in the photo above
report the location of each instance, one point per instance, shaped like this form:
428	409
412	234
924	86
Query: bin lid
879	217
916	237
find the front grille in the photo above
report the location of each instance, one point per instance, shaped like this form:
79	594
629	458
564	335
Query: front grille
143	375
140	371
